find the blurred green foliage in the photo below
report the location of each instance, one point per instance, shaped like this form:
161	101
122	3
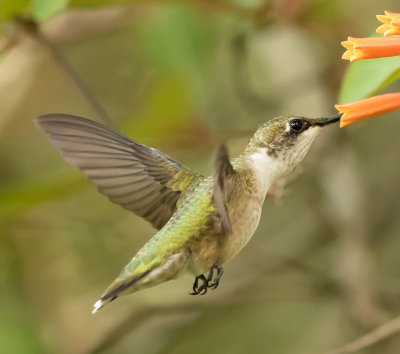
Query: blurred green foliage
322	268
10	8
44	9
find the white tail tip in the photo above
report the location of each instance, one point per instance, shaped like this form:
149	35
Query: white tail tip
97	306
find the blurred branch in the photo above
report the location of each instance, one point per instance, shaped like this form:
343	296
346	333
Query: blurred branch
382	332
248	290
6	44
342	188
31	28
134	321
251	100
258	14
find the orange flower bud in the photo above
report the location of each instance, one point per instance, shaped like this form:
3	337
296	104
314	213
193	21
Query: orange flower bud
391	23
366	108
371	47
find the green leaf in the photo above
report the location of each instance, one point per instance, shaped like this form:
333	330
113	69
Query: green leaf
365	78
11	8
43	9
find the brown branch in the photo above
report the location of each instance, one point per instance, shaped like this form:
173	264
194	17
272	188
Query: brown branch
32	28
229	7
380	333
6	44
343	191
134	321
250	98
249	290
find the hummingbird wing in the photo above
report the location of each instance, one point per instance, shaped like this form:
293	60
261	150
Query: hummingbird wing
223	170
135	176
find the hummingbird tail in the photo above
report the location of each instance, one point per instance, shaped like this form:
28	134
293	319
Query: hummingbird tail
100	304
156	273
113	291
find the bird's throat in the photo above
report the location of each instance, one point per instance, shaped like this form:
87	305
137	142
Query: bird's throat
265	169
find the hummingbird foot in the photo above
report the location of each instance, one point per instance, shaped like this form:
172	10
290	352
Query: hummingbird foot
213	282
200	288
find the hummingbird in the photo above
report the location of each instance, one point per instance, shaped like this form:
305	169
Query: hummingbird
202	222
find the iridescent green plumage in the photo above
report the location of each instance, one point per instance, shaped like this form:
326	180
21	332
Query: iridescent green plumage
190	220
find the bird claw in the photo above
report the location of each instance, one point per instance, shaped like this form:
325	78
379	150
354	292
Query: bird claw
200	289
211	282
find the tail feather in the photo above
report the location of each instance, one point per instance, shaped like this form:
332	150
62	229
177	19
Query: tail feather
117	286
115	289
153	273
100	304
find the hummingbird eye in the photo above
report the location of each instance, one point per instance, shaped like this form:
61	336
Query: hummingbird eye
298	125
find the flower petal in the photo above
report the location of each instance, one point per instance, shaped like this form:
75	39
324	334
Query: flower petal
383	28
347	55
366	108
383	18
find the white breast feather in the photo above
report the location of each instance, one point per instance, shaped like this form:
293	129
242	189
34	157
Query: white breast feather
265	168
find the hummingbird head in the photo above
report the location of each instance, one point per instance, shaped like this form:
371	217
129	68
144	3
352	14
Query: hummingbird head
282	142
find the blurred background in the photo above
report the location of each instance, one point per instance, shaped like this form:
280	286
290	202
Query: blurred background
322	268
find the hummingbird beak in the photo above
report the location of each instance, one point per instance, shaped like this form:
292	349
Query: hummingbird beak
328	120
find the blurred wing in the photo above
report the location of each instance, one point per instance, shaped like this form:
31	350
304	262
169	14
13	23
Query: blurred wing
137	177
223	170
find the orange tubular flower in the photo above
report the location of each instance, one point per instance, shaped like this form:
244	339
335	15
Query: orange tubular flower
372	47
391	23
366	108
